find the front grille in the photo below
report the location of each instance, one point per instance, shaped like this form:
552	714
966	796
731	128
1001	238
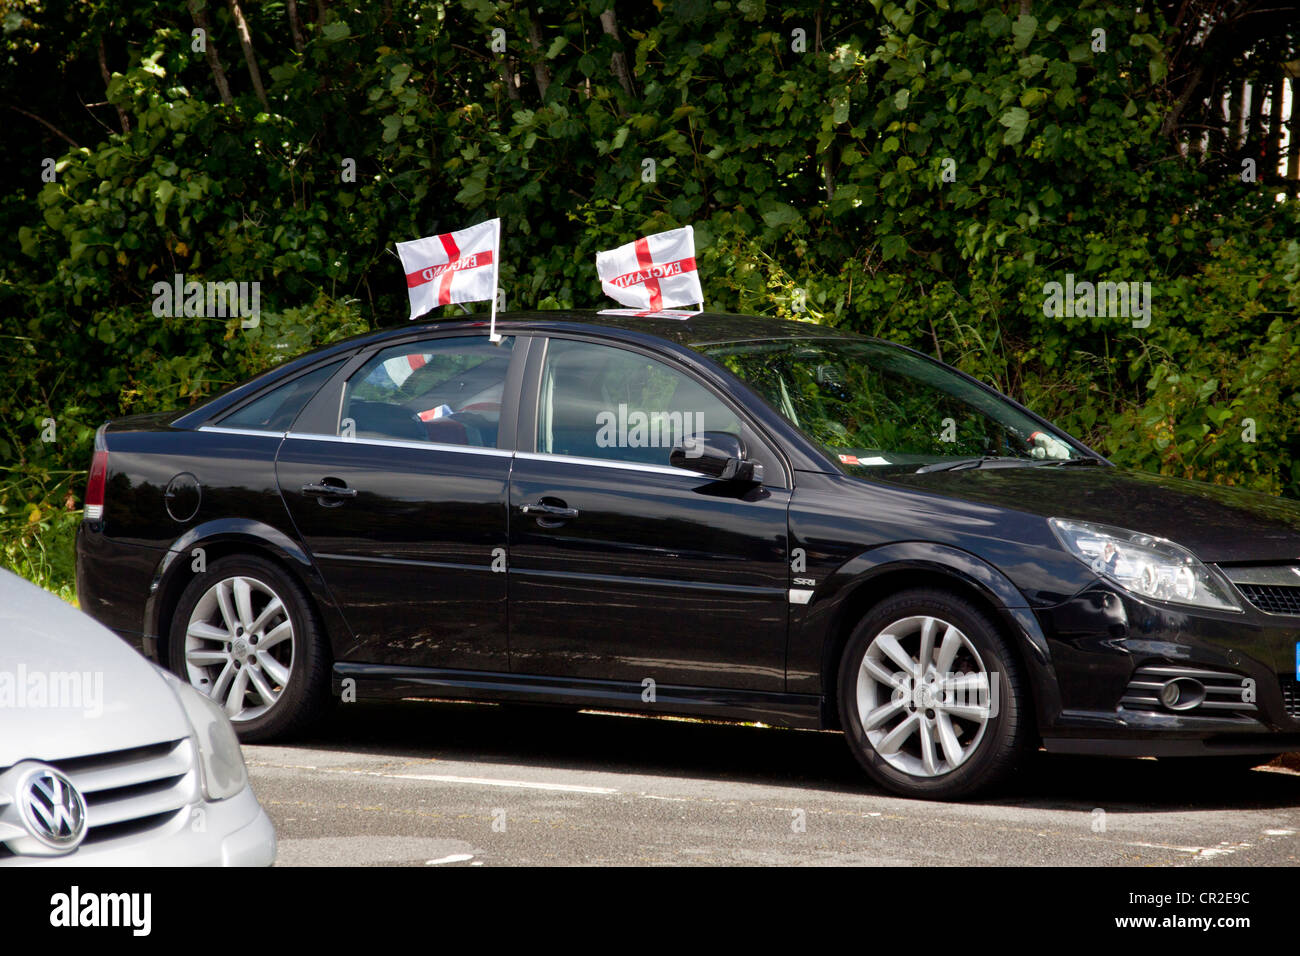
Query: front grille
1273	598
130	792
1223	691
1290	695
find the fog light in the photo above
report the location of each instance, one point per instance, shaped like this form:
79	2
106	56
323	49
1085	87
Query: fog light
1182	693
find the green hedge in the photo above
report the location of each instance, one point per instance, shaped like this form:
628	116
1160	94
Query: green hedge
917	171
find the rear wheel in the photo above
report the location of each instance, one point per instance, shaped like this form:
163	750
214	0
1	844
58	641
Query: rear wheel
244	634
931	699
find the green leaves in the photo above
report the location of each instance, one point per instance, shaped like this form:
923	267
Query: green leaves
1023	30
1016	120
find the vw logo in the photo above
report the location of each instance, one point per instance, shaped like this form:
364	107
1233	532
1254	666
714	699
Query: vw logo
52	809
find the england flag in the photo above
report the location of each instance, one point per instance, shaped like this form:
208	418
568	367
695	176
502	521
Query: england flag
453	267
653	273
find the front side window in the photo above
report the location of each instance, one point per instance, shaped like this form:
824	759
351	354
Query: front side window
597	401
448	391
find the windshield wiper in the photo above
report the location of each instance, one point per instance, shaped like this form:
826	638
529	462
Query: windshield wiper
962	463
1072	461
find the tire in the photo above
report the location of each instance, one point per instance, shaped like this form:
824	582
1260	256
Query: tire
988	715
294	669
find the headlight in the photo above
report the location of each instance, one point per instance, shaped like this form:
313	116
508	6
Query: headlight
1148	566
220	759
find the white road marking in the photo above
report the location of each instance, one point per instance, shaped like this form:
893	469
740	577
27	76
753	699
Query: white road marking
1279	832
1201	852
454	858
494	782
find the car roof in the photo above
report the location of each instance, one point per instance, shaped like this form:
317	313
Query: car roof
704	328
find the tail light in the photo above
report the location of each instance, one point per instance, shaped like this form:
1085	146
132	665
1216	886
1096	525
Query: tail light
95	486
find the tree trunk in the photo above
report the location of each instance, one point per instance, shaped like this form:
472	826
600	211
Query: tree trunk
103	69
294	27
540	71
1273	150
618	62
246	41
1293	147
1255	127
200	17
509	77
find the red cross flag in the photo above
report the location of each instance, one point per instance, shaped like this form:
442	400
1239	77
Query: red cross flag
654	273
453	267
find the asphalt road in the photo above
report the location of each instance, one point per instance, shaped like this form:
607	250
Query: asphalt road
445	784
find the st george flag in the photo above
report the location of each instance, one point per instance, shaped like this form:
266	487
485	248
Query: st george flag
653	273
453	267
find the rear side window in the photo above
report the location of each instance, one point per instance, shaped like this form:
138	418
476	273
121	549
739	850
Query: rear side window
447	391
276	410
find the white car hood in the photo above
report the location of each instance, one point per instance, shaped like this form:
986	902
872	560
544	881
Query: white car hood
70	687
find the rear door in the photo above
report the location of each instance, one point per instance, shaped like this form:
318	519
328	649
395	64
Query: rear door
396	479
621	566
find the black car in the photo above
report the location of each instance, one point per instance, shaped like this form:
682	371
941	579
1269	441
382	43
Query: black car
722	516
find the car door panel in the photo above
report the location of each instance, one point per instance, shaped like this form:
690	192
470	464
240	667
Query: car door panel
409	534
626	570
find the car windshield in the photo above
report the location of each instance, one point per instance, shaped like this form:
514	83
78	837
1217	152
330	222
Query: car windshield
872	405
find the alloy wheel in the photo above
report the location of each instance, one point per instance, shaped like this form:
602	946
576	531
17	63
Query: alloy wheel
239	646
924	696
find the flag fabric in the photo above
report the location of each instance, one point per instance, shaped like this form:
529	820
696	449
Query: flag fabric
452	267
654	272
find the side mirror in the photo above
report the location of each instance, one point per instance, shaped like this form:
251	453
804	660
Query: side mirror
720	455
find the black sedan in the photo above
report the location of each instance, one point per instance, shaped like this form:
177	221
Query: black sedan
721	516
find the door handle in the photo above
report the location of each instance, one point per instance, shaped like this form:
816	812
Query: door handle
322	490
550	510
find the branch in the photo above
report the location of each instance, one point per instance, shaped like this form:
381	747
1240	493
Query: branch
50	126
103	69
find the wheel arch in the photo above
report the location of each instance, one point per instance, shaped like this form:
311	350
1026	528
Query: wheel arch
220	539
864	582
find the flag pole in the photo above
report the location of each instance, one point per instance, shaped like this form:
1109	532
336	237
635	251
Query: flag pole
691	228
496	282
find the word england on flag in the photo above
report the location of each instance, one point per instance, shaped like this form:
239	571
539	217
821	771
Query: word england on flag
453	267
653	273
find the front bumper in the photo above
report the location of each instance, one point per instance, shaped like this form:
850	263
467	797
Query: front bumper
1100	638
231	832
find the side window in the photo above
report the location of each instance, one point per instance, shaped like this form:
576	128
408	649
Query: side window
447	391
597	401
276	410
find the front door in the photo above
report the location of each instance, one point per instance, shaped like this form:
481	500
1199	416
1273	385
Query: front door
623	567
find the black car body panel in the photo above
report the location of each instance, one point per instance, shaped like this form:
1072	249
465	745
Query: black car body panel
733	599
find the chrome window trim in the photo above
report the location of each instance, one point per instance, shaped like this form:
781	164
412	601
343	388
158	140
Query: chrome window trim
399	443
604	463
222	430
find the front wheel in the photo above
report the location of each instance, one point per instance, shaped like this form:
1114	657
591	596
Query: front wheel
244	634
931	700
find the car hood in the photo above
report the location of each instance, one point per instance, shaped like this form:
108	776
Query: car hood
1218	523
70	687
